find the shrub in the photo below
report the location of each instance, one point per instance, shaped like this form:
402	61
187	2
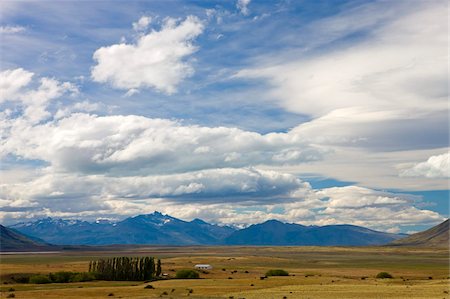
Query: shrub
11	296
277	272
39	279
384	275
61	277
83	276
25	278
187	274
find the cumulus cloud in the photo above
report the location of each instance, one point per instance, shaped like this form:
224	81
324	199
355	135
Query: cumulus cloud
242	6
11	81
32	102
435	167
84	106
142	23
157	60
134	144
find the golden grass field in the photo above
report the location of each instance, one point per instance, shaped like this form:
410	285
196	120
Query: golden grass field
316	272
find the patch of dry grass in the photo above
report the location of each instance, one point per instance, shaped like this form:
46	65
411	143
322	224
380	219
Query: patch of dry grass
316	272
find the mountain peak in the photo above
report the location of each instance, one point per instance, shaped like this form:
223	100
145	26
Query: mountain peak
155	218
199	221
273	221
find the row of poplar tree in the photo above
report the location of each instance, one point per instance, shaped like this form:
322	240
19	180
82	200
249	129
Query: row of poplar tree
126	268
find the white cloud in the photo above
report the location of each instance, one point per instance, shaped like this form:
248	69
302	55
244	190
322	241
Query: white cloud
11	29
351	164
117	166
378	96
135	144
12	81
242	6
238	185
84	106
33	102
131	92
142	24
156	60
380	217
357	197
372	208
228	196
393	230
395	78
435	167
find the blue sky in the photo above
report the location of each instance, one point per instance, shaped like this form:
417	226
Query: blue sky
315	112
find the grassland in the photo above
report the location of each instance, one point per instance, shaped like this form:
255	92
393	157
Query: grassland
316	272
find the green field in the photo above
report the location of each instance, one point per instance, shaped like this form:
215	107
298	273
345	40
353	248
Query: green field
315	272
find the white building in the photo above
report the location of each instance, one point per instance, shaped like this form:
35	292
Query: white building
203	267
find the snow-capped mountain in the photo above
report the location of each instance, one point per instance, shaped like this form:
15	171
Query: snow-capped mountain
160	229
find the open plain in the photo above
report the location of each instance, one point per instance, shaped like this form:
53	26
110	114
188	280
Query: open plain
315	272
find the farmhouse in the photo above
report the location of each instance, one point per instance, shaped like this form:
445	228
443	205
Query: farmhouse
203	267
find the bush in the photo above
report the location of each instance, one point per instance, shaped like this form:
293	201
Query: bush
384	275
61	277
11	296
187	274
83	276
25	278
277	272
40	279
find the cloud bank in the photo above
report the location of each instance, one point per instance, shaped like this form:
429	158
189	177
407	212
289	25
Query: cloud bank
117	166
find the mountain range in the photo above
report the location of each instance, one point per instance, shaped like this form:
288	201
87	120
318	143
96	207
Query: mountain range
274	232
153	228
159	229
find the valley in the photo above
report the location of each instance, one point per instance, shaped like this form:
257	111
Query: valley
314	272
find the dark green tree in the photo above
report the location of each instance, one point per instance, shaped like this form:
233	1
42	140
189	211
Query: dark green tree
158	268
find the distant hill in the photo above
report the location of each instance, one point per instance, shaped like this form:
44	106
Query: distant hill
274	232
153	228
437	236
11	240
159	229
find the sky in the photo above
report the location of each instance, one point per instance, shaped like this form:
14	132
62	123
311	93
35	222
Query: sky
235	112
